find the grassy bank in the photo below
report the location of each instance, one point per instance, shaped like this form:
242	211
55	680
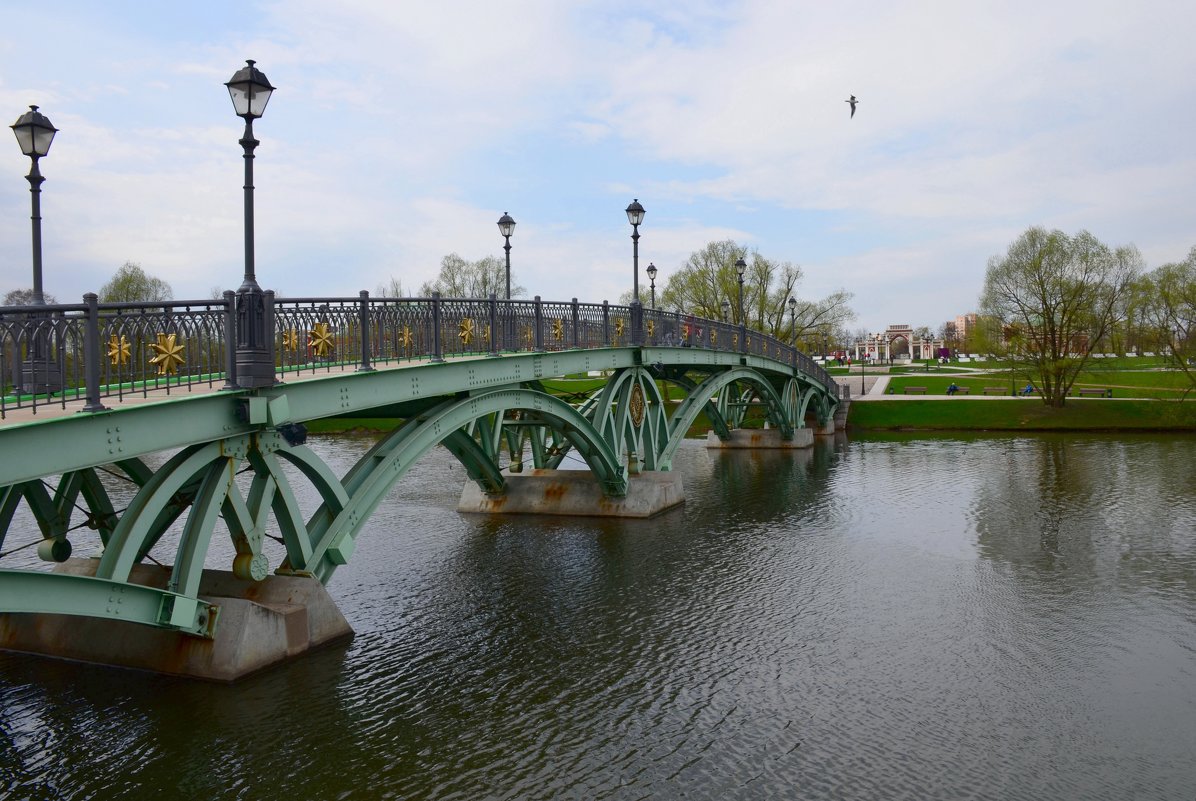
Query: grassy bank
1030	414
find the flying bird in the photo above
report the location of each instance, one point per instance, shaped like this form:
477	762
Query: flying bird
852	101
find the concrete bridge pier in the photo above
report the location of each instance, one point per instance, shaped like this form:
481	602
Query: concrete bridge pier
576	493
761	438
259	624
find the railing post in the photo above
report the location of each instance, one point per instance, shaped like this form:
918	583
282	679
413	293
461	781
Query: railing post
539	340
230	340
91	354
271	335
606	324
363	322
493	324
437	347
576	325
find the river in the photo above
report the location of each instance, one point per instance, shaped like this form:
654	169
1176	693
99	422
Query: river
881	617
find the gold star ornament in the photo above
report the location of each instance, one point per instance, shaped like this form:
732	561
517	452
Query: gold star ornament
319	339
118	350
168	354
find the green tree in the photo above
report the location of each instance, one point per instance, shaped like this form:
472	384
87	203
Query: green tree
1168	309
461	278
1055	297
709	277
131	284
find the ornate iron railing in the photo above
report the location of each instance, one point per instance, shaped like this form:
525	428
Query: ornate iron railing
64	352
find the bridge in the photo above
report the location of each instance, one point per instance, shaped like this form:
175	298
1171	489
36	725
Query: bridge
95	393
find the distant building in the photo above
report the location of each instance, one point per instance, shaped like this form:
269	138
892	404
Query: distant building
897	342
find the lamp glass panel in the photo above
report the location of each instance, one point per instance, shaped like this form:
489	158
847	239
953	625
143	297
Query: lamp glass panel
24	138
42	137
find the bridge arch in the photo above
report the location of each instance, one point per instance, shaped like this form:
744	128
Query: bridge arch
723	383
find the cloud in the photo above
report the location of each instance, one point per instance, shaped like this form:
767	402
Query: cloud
399	133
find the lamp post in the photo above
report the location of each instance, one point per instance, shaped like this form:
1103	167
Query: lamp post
652	279
250	91
635	216
793	321
726	309
506	227
740	266
34	134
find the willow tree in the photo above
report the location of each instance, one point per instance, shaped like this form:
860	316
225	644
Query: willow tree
709	277
1056	297
131	284
1168	308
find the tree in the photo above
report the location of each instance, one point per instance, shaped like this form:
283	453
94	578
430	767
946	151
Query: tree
709	277
1055	297
24	297
393	288
131	284
1168	309
461	278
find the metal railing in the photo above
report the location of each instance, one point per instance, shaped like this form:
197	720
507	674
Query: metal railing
58	353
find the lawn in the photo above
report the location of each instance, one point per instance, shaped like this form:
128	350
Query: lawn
1030	414
1158	384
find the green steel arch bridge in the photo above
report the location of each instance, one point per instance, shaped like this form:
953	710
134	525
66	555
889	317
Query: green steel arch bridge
93	389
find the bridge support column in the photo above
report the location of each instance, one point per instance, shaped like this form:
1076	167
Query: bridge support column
841	414
260	624
766	438
576	493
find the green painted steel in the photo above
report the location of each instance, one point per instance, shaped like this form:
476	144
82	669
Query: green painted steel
333	530
725	384
67	594
491	413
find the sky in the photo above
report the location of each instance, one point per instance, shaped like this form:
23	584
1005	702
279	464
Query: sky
401	131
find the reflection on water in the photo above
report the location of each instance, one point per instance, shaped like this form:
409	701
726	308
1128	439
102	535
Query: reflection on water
890	617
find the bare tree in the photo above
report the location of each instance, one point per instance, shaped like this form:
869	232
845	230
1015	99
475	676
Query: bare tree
462	278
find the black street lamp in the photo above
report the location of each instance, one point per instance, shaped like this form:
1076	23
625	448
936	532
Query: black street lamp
506	227
652	278
635	216
740	266
793	321
250	91
34	134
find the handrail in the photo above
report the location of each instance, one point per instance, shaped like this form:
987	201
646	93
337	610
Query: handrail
60	352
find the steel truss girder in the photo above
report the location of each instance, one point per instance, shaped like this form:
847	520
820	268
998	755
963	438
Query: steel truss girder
66	594
333	529
726	384
199	481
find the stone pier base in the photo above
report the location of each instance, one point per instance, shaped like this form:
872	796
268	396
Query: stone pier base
260	624
761	438
575	493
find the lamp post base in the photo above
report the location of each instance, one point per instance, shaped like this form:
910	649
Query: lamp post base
40	376
255	368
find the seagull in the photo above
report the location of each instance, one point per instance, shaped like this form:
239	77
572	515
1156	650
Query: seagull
852	101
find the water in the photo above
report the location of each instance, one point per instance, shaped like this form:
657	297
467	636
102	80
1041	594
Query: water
890	617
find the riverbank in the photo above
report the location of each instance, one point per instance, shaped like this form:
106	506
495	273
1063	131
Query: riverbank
1019	414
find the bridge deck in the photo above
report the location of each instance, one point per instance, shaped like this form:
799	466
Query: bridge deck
56	408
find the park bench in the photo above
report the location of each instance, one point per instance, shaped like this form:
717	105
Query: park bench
995	390
915	390
963	391
1096	392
